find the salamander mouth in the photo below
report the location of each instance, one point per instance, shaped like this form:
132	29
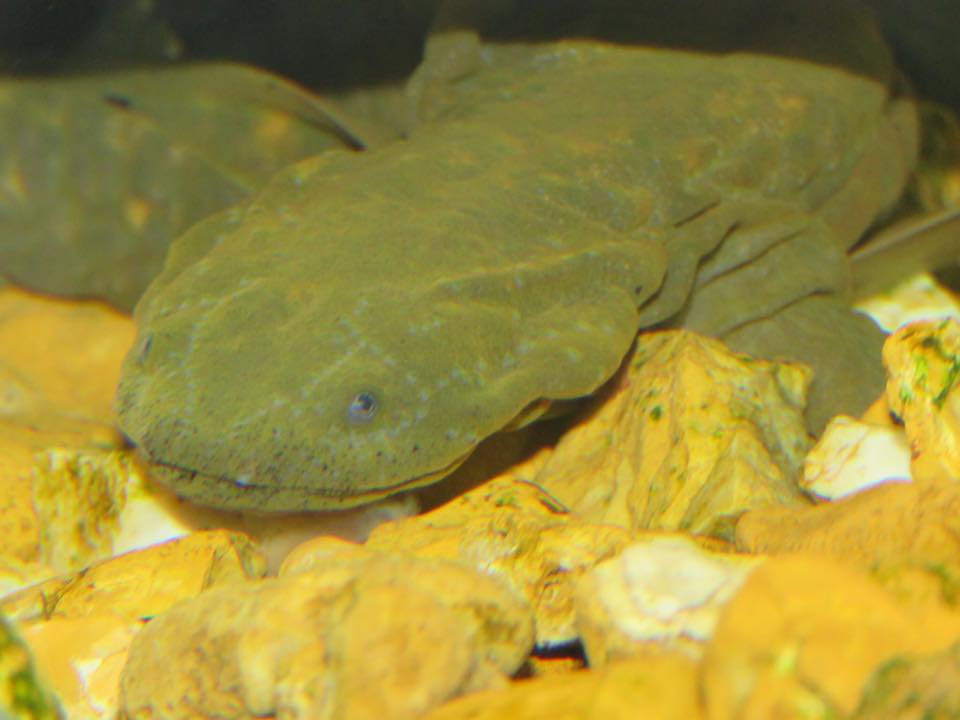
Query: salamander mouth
227	493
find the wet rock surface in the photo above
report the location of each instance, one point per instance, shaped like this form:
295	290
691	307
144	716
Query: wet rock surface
367	635
514	530
688	437
440	612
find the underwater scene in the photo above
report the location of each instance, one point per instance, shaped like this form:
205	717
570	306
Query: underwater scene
479	359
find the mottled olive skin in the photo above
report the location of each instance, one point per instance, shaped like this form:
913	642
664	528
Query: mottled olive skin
362	323
104	170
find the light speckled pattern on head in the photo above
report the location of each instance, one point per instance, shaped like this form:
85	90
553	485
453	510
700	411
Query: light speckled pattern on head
363	322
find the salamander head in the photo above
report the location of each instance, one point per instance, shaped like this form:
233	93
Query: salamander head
295	416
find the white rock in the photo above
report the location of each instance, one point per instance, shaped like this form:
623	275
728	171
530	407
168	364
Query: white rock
666	590
852	455
919	297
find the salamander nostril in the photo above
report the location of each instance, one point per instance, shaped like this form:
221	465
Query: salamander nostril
143	352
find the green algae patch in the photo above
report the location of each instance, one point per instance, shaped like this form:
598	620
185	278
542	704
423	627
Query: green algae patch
22	694
914	685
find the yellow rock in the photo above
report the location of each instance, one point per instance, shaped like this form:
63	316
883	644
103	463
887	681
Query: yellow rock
656	685
689	436
914	687
515	530
19	527
81	659
142	583
885	521
60	357
879	414
364	636
59	366
923	366
907	534
23	693
804	634
63	506
664	591
78	496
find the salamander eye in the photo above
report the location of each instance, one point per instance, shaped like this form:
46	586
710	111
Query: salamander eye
362	408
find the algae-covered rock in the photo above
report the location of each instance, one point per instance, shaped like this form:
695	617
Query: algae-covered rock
804	635
78	497
23	695
923	366
689	437
911	687
366	635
